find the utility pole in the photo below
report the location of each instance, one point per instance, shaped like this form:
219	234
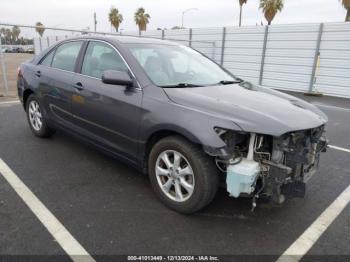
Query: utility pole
95	21
183	15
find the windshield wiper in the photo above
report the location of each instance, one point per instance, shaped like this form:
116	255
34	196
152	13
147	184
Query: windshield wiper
183	85
230	82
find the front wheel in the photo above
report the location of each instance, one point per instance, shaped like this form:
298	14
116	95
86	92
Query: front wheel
182	175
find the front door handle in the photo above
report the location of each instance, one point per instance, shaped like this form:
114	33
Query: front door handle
38	73
79	86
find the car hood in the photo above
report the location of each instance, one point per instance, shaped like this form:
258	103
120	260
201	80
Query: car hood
254	109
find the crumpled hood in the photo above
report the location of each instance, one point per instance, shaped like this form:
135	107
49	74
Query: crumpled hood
259	110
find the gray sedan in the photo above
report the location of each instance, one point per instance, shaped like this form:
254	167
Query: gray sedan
175	114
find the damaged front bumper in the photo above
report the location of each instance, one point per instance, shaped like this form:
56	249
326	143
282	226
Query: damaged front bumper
271	167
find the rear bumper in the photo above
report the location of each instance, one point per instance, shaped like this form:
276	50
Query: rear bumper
20	89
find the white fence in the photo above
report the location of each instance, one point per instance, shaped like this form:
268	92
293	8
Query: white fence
296	57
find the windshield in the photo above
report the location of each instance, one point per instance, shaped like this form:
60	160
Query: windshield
178	66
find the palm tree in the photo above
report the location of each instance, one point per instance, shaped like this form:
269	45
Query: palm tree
141	18
115	18
2	33
270	8
39	28
8	36
346	4
241	3
16	32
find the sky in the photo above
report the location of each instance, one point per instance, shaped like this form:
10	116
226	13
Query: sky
78	14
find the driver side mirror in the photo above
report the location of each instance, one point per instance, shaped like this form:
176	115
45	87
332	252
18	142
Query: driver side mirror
113	77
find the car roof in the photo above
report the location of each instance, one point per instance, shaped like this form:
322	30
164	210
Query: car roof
114	38
127	39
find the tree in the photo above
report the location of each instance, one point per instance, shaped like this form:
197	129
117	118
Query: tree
141	19
241	3
39	28
8	36
115	18
16	32
270	8
2	33
346	4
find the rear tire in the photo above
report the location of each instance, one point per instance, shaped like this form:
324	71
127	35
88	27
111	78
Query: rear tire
36	119
182	176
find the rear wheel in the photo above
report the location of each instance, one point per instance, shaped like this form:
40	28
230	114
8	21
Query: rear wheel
182	175
36	119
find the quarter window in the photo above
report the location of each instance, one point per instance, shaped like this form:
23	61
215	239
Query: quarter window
100	57
66	56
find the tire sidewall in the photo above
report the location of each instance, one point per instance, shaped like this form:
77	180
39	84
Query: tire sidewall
44	128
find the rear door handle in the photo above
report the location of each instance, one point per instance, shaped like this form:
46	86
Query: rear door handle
79	86
38	73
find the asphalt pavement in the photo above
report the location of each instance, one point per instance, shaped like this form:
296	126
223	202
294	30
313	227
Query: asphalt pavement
110	208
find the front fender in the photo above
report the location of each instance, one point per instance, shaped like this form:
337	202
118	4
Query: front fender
195	125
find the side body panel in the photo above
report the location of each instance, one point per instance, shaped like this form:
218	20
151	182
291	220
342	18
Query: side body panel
108	114
161	114
56	91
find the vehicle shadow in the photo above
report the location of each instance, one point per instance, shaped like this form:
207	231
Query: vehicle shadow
223	206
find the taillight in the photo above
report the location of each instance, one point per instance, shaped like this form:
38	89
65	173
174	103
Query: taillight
19	72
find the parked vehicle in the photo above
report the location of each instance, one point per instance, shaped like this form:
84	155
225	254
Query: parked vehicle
16	50
30	50
174	114
4	50
11	50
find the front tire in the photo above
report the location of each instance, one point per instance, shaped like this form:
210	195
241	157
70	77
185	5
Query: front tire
183	177
36	118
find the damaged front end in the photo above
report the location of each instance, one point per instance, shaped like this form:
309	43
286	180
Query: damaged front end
265	166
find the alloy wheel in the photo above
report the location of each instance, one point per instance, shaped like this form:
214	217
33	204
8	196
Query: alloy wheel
35	116
175	175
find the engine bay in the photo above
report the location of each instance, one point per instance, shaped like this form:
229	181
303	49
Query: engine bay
263	166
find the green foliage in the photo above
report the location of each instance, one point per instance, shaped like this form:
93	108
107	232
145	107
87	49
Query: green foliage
115	18
270	8
12	37
241	3
16	32
39	28
141	18
346	4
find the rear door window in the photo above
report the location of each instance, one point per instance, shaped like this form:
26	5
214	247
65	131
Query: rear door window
66	56
100	57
